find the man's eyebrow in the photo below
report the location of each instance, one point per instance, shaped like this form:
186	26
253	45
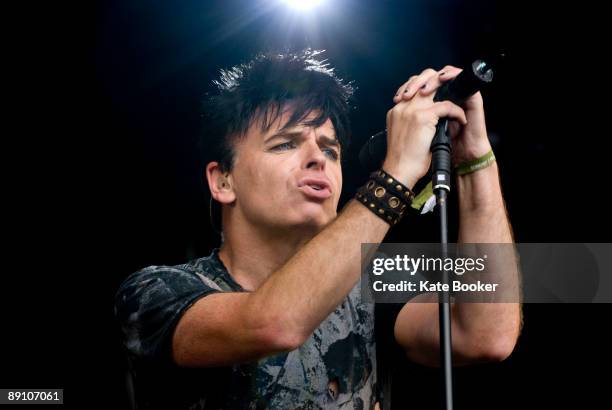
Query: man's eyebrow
285	134
295	134
329	141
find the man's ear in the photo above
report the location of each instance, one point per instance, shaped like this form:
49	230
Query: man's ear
220	184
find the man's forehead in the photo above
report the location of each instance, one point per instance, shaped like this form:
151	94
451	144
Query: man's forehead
282	124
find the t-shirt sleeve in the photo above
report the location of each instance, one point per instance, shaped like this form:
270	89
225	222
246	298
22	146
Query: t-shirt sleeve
150	303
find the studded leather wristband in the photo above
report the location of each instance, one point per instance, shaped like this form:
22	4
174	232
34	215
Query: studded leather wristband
385	196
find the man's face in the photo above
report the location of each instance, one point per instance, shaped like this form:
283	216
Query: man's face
287	178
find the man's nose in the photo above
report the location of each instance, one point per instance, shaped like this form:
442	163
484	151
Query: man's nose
315	158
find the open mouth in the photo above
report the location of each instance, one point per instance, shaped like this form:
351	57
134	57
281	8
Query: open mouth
315	188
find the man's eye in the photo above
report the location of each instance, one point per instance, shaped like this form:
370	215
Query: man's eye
332	153
284	146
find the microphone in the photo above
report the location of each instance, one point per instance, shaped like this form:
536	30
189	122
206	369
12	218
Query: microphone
466	84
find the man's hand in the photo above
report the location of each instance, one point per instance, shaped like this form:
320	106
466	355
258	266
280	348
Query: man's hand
469	140
411	125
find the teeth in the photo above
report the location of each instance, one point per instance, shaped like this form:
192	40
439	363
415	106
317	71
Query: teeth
316	186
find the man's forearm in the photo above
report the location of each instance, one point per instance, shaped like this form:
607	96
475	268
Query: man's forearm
482	212
483	219
300	295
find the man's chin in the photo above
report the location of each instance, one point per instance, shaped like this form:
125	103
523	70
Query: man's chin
315	222
308	218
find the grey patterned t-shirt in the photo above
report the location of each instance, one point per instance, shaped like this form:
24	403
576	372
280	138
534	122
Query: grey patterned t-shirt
334	369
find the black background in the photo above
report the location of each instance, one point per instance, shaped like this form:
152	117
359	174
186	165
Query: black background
102	177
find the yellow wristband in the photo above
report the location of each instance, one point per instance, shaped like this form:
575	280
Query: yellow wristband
423	201
476	164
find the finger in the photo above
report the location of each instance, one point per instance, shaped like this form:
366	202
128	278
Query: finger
446	74
449	72
397	98
448	109
417	83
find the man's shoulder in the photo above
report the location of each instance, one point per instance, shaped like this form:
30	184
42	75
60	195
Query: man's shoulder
150	301
207	270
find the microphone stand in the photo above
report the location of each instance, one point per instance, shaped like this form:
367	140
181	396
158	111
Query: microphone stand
465	85
441	167
470	81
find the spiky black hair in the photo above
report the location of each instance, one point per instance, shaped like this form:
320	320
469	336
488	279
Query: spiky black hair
261	88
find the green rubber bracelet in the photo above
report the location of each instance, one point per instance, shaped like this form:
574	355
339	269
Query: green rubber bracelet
476	164
462	169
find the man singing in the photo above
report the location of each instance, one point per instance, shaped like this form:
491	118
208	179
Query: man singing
274	318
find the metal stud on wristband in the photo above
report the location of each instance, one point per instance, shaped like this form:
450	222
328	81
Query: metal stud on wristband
385	196
393	185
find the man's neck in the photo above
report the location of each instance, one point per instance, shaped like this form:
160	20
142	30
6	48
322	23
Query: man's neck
251	254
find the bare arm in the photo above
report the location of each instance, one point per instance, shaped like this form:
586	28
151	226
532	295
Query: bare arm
480	331
226	328
483	219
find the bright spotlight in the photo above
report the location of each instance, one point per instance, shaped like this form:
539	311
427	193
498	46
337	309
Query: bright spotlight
303	4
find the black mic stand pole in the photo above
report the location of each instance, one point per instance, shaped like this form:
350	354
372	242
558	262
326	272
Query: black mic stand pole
464	85
441	167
